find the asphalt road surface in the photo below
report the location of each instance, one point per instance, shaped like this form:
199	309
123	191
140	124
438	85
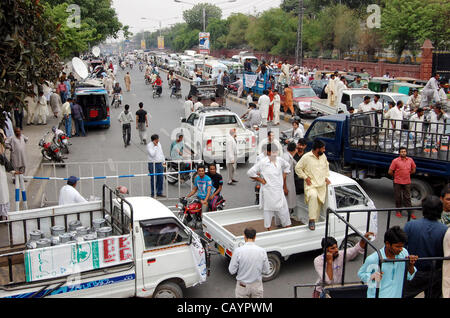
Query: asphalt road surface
106	145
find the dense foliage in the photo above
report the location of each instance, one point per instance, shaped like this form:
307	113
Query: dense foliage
331	28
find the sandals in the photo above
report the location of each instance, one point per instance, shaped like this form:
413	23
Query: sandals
312	225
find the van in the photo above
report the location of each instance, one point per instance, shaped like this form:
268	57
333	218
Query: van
95	104
212	69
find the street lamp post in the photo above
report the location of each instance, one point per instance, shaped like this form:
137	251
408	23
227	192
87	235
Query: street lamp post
299	48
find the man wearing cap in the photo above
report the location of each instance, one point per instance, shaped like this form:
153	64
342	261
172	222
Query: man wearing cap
68	193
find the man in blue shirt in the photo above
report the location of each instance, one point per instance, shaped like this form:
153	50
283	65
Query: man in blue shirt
425	239
390	277
202	186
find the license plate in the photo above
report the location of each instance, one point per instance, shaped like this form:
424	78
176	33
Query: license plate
221	249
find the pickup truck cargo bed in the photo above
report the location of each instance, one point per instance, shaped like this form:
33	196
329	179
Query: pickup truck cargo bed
238	228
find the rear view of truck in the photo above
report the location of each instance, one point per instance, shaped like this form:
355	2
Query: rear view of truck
68	250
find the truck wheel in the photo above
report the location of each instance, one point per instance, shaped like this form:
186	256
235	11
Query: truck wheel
274	265
419	191
168	290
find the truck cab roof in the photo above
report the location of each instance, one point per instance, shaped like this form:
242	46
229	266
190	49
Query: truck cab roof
145	208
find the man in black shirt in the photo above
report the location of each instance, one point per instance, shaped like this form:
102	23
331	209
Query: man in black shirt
142	123
217	182
301	145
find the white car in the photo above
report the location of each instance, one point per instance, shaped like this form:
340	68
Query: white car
206	130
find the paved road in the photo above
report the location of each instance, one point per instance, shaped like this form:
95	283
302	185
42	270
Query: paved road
103	145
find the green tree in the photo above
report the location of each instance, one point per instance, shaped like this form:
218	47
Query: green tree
194	16
275	31
239	24
98	14
218	30
405	26
71	41
28	50
346	28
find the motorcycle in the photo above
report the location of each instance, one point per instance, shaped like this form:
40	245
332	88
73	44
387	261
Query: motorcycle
156	92
174	167
116	100
190	212
61	140
176	94
50	150
148	80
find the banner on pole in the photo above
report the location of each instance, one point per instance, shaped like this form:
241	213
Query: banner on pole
161	42
203	42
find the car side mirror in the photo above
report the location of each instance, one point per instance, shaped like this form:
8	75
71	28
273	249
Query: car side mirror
183	120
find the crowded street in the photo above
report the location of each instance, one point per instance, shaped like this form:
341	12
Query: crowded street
170	162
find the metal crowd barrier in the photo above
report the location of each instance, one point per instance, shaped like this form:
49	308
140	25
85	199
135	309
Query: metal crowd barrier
381	260
132	174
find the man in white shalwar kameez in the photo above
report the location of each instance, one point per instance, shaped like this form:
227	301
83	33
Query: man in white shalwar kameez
430	92
340	86
331	91
271	172
263	105
313	168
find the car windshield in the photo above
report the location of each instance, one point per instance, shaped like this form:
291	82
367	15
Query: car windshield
303	92
220	120
348	196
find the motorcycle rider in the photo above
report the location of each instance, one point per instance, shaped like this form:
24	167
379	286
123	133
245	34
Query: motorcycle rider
217	183
202	186
176	87
117	90
158	84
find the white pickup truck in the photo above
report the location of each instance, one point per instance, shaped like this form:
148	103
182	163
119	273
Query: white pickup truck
144	251
206	130
350	98
226	227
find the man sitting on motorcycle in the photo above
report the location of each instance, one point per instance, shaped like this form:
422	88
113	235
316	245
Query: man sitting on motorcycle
158	83
176	86
117	90
176	154
202	186
217	183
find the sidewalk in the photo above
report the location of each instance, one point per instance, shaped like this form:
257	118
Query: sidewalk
34	157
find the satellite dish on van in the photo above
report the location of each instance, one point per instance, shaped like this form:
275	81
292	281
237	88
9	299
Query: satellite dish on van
80	68
96	51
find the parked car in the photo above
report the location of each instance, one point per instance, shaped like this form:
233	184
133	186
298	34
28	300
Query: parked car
302	96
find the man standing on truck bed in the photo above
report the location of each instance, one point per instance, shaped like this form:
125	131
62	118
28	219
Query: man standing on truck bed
313	167
271	172
250	262
401	169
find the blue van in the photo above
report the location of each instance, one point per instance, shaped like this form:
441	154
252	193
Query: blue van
95	104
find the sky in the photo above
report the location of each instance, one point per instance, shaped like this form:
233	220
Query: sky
169	12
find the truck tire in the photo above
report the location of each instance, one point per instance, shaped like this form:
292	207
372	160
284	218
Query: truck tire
275	265
419	190
168	290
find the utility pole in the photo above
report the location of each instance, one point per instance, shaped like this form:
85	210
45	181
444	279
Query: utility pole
204	19
299	48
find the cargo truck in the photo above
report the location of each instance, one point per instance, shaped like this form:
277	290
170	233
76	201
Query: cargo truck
364	145
143	250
